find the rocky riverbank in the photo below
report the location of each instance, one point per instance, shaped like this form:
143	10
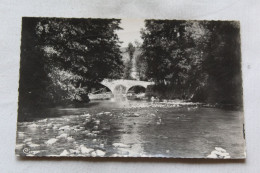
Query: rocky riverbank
132	128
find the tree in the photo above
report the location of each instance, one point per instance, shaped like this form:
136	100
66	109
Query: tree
61	58
197	36
128	69
198	60
130	49
223	64
163	50
129	62
141	67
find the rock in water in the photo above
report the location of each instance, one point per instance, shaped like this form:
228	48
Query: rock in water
106	128
21	134
81	128
35	152
64	153
86	115
33	125
96	132
62	136
100	153
85	150
120	145
227	157
70	139
54	127
33	146
220	149
97	122
51	141
43	120
27	140
74	151
219	153
50	125
64	128
101	113
93	154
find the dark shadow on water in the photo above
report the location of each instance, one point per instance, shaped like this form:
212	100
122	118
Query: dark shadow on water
137	159
58	111
80	105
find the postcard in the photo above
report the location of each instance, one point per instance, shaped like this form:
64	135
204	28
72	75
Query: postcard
130	88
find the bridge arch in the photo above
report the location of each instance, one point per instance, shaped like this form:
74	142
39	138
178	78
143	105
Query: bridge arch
100	88
127	84
107	87
100	92
141	86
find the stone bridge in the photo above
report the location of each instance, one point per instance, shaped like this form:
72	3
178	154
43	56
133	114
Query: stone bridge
121	86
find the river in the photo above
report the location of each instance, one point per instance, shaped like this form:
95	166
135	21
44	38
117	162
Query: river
132	129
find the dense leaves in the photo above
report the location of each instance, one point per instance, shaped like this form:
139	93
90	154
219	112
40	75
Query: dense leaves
197	60
141	67
129	62
61	58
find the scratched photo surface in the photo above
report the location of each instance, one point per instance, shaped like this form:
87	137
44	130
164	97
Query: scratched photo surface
130	88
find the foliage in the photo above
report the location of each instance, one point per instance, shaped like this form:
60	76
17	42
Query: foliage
128	69
141	67
130	49
198	60
61	58
129	63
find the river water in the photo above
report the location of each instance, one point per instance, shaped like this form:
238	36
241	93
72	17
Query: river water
132	128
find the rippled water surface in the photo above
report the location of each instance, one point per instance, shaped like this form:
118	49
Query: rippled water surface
132	128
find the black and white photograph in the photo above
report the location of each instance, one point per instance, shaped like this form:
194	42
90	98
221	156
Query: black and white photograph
108	87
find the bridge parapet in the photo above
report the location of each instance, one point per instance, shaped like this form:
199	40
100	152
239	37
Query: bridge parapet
112	84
